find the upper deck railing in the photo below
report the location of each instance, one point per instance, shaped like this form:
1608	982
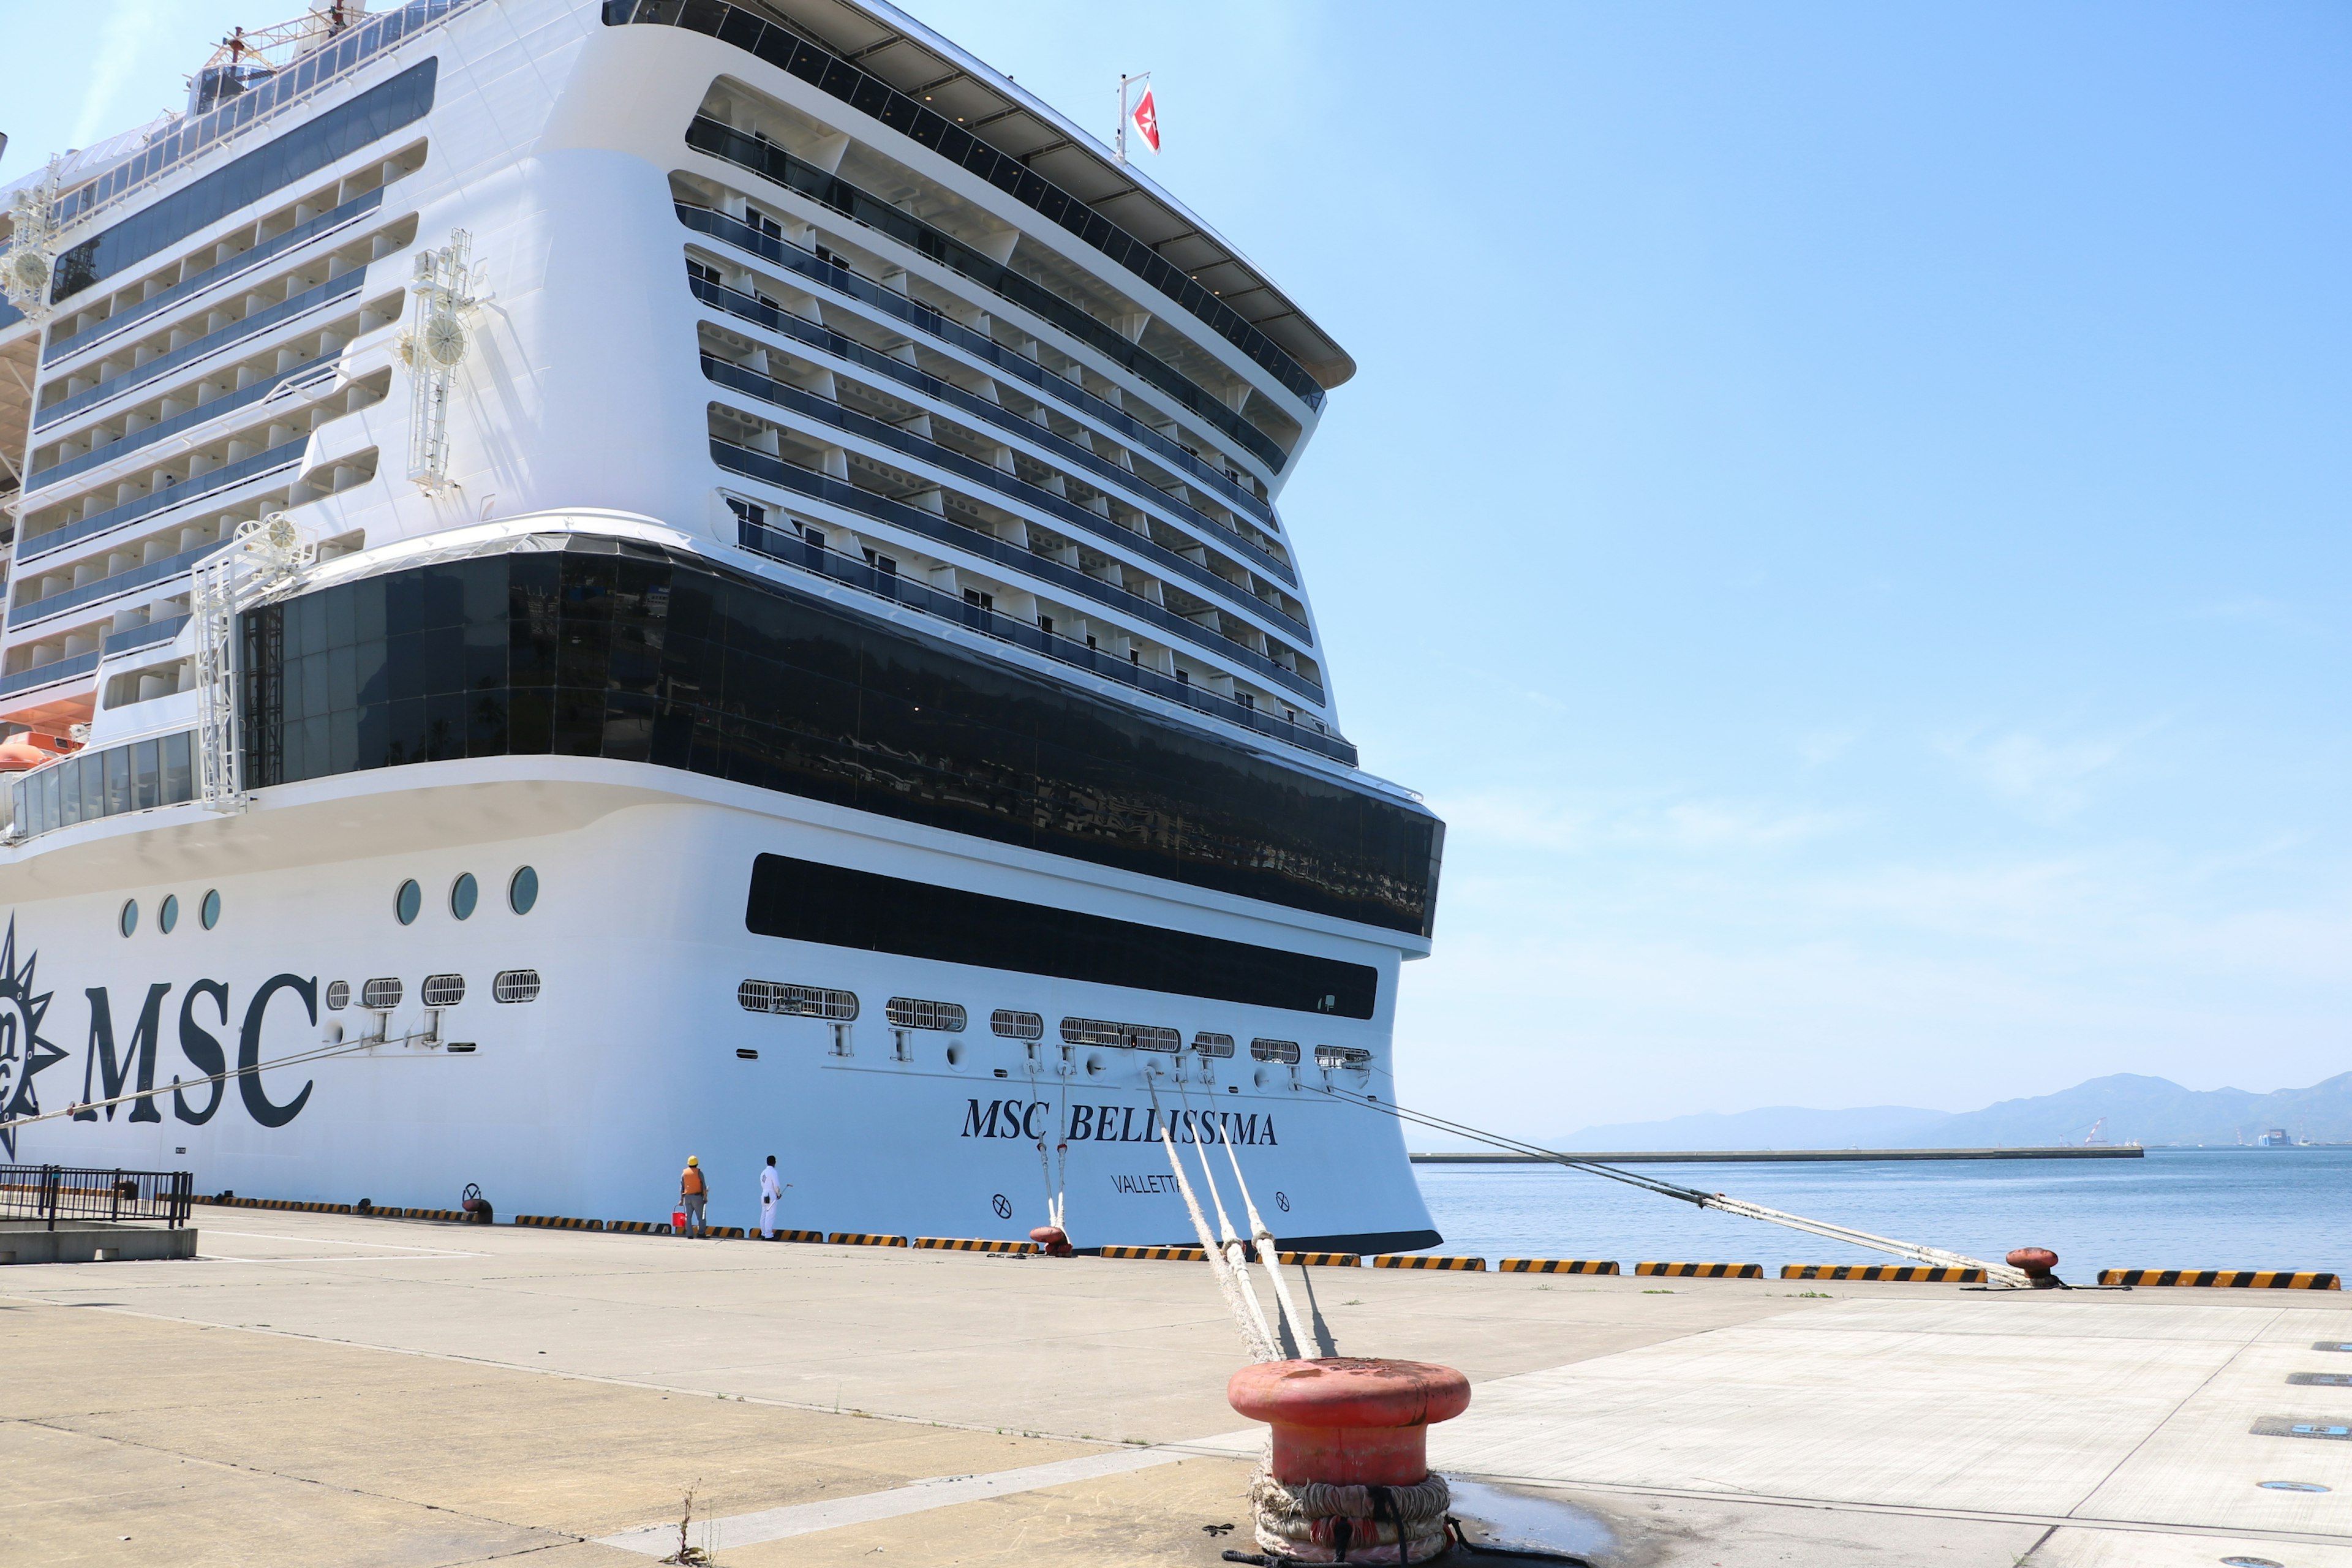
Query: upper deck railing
297	84
835	77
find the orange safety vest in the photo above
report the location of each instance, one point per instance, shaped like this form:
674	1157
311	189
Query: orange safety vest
692	1180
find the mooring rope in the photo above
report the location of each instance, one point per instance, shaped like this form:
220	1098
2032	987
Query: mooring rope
1935	1256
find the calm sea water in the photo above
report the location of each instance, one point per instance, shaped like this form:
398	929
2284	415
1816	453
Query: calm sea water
2201	1208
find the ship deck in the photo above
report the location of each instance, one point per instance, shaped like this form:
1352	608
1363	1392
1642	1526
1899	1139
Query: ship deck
326	1388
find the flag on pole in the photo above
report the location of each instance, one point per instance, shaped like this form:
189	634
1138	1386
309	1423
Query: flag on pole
1146	119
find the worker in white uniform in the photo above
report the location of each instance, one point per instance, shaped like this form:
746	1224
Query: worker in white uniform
771	1193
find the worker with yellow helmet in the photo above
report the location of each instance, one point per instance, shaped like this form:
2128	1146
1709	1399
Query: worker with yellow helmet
693	1192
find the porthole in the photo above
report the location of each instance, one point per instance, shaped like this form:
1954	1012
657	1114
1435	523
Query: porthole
955	1053
408	902
167	913
339	995
128	918
464	894
209	911
522	891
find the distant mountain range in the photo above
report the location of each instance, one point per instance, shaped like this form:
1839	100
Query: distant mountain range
2137	1109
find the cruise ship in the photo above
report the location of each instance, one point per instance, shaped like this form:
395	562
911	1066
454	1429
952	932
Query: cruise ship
594	583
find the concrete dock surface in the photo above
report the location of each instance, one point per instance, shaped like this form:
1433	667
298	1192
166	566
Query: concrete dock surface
340	1390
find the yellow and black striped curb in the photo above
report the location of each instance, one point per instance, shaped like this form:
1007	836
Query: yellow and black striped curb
1556	1266
559	1222
282	1203
863	1238
1320	1260
971	1244
1914	1273
1178	1253
2226	1278
1407	1260
1702	1271
798	1236
633	1227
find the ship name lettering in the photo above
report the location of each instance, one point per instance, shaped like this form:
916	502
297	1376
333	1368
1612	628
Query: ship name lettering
109	1075
1115	1123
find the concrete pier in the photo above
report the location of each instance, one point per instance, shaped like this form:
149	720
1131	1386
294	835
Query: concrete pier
332	1389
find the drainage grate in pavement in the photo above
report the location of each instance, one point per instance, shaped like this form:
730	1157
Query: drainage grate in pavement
2292	1486
2331	1345
2251	1563
2321	1379
2290	1427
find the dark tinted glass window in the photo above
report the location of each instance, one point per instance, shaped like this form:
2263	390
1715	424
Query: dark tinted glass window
377	113
638	657
805	900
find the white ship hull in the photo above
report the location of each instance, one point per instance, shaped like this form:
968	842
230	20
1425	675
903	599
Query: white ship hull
587	1101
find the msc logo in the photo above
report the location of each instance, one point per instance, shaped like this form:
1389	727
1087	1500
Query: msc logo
23	1052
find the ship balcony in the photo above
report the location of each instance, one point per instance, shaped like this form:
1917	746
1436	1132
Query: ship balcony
860	411
1231	486
975	611
263	304
219	471
281	374
925	246
925	509
1002	405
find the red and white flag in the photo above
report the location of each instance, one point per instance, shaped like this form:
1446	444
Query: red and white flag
1146	119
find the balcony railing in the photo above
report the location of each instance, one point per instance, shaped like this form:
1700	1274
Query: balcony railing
202	413
1013	487
210	344
284	455
781	545
746	308
771	163
301	234
830	74
915	520
980	346
107	587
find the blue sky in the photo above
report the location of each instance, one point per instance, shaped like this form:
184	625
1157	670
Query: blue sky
1843	511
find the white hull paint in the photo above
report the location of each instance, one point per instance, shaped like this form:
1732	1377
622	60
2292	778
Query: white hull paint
587	1101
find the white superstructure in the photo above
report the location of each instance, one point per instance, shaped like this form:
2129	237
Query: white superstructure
680	577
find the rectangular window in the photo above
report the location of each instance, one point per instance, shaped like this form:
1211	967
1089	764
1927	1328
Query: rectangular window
179	771
806	900
745	511
978	600
146	776
1275	1051
117	780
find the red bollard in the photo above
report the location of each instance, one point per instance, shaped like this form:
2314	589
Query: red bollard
1349	1422
1052	1241
2037	1262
